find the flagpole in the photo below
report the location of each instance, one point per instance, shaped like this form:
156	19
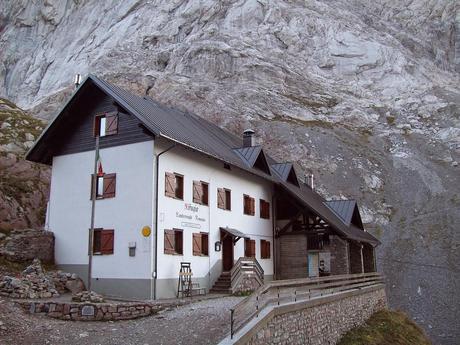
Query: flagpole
93	208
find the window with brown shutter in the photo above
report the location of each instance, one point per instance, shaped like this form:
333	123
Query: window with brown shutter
200	192
264	209
173	242
224	198
105	186
200	244
204	244
103	240
105	124
249	205
205	194
264	249
174	185
249	248
111	124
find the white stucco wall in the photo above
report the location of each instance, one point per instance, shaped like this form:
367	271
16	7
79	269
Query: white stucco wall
70	210
195	166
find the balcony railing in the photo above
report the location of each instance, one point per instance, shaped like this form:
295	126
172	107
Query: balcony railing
246	268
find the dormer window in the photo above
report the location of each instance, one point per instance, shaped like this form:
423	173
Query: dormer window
105	124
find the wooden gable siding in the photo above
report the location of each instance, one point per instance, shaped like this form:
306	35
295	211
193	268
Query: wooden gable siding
77	135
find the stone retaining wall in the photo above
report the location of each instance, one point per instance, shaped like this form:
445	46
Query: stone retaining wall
318	322
90	311
28	244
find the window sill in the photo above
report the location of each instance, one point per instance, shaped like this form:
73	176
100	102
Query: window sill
102	254
201	255
174	254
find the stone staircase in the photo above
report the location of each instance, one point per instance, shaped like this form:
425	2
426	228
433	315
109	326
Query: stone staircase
223	284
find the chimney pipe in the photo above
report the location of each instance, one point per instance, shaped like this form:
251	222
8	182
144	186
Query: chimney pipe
77	80
309	180
248	138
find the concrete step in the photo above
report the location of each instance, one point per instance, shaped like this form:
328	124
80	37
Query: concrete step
220	290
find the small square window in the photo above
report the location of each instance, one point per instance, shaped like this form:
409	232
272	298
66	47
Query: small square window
200	244
174	185
200	192
106	124
103	241
248	205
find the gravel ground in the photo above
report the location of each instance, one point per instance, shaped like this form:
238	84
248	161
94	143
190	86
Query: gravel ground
204	322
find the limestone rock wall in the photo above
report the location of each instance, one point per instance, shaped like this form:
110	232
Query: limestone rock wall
364	94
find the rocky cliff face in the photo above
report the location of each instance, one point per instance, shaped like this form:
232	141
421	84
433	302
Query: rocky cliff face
23	185
363	94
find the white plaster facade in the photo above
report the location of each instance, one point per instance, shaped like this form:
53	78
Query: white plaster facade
69	214
173	214
133	207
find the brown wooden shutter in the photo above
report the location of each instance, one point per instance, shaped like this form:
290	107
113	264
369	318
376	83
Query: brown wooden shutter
178	238
169	241
267	249
196	244
170	185
205	196
109	185
220	198
107	238
197	192
205	244
111	124
252	246
253	206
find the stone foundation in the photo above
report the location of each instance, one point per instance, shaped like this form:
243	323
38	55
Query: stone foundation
90	311
315	322
28	244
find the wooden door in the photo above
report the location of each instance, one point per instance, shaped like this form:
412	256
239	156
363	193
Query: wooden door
227	253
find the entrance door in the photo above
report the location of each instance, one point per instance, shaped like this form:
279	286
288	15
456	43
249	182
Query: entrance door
313	270
227	253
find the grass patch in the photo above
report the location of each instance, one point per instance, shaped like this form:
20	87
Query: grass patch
386	328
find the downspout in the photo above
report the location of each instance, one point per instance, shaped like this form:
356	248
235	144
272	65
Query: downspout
157	169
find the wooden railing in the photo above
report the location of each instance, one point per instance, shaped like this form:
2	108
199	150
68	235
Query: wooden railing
245	267
280	292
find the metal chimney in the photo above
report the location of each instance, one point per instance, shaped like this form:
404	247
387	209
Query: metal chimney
248	138
309	180
77	80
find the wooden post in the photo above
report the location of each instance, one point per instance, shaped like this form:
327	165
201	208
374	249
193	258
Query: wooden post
93	208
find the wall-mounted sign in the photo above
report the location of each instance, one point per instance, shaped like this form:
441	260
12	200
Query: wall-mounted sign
146	231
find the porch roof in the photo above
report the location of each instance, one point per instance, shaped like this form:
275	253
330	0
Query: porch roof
234	232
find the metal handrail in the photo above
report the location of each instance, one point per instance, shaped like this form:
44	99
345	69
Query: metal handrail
246	264
280	292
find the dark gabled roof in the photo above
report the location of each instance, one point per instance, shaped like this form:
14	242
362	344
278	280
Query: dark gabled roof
314	202
253	157
248	154
342	208
347	210
195	132
286	172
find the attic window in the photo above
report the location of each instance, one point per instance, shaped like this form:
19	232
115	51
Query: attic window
105	124
261	163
